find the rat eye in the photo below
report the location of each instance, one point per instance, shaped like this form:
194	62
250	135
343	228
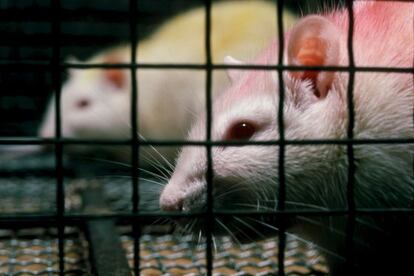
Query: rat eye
241	131
81	104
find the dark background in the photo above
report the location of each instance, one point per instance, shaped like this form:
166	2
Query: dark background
87	26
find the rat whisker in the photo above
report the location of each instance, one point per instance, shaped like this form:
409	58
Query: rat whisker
232	190
200	236
329	252
225	228
265	208
331	229
156	164
170	168
119	163
239	230
241	221
150	180
160	177
126	165
213	238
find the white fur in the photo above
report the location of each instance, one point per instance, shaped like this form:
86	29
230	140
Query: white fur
316	175
168	98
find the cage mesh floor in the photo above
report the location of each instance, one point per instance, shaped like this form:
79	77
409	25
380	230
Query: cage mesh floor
177	255
35	252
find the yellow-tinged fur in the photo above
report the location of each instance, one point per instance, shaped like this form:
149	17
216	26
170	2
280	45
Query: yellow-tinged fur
242	27
239	28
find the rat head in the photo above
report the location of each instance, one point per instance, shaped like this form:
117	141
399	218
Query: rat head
94	104
246	177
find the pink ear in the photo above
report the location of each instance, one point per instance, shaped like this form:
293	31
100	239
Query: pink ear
314	41
233	74
115	76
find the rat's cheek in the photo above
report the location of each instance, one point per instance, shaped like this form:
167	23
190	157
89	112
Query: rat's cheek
74	128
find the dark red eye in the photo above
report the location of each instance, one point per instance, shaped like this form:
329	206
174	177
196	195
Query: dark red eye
241	131
82	104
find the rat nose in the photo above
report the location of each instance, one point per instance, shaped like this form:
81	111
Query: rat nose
172	206
171	200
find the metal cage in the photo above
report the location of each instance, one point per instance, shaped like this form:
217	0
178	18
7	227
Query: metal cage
105	253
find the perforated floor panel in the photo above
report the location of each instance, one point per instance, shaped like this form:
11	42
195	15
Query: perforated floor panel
175	255
34	251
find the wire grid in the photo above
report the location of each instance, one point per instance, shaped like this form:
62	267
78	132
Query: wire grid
172	255
135	142
35	252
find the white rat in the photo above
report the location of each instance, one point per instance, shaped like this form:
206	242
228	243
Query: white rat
315	107
96	103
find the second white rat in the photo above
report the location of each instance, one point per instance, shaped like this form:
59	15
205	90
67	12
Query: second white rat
96	103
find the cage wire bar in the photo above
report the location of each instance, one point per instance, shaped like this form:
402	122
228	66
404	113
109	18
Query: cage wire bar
282	145
209	226
57	83
24	66
136	217
350	227
106	142
74	219
135	143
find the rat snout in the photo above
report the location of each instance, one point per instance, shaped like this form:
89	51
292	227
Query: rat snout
184	196
172	198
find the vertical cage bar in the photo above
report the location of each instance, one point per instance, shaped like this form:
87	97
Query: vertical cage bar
209	174
133	6
281	163
350	226
56	76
